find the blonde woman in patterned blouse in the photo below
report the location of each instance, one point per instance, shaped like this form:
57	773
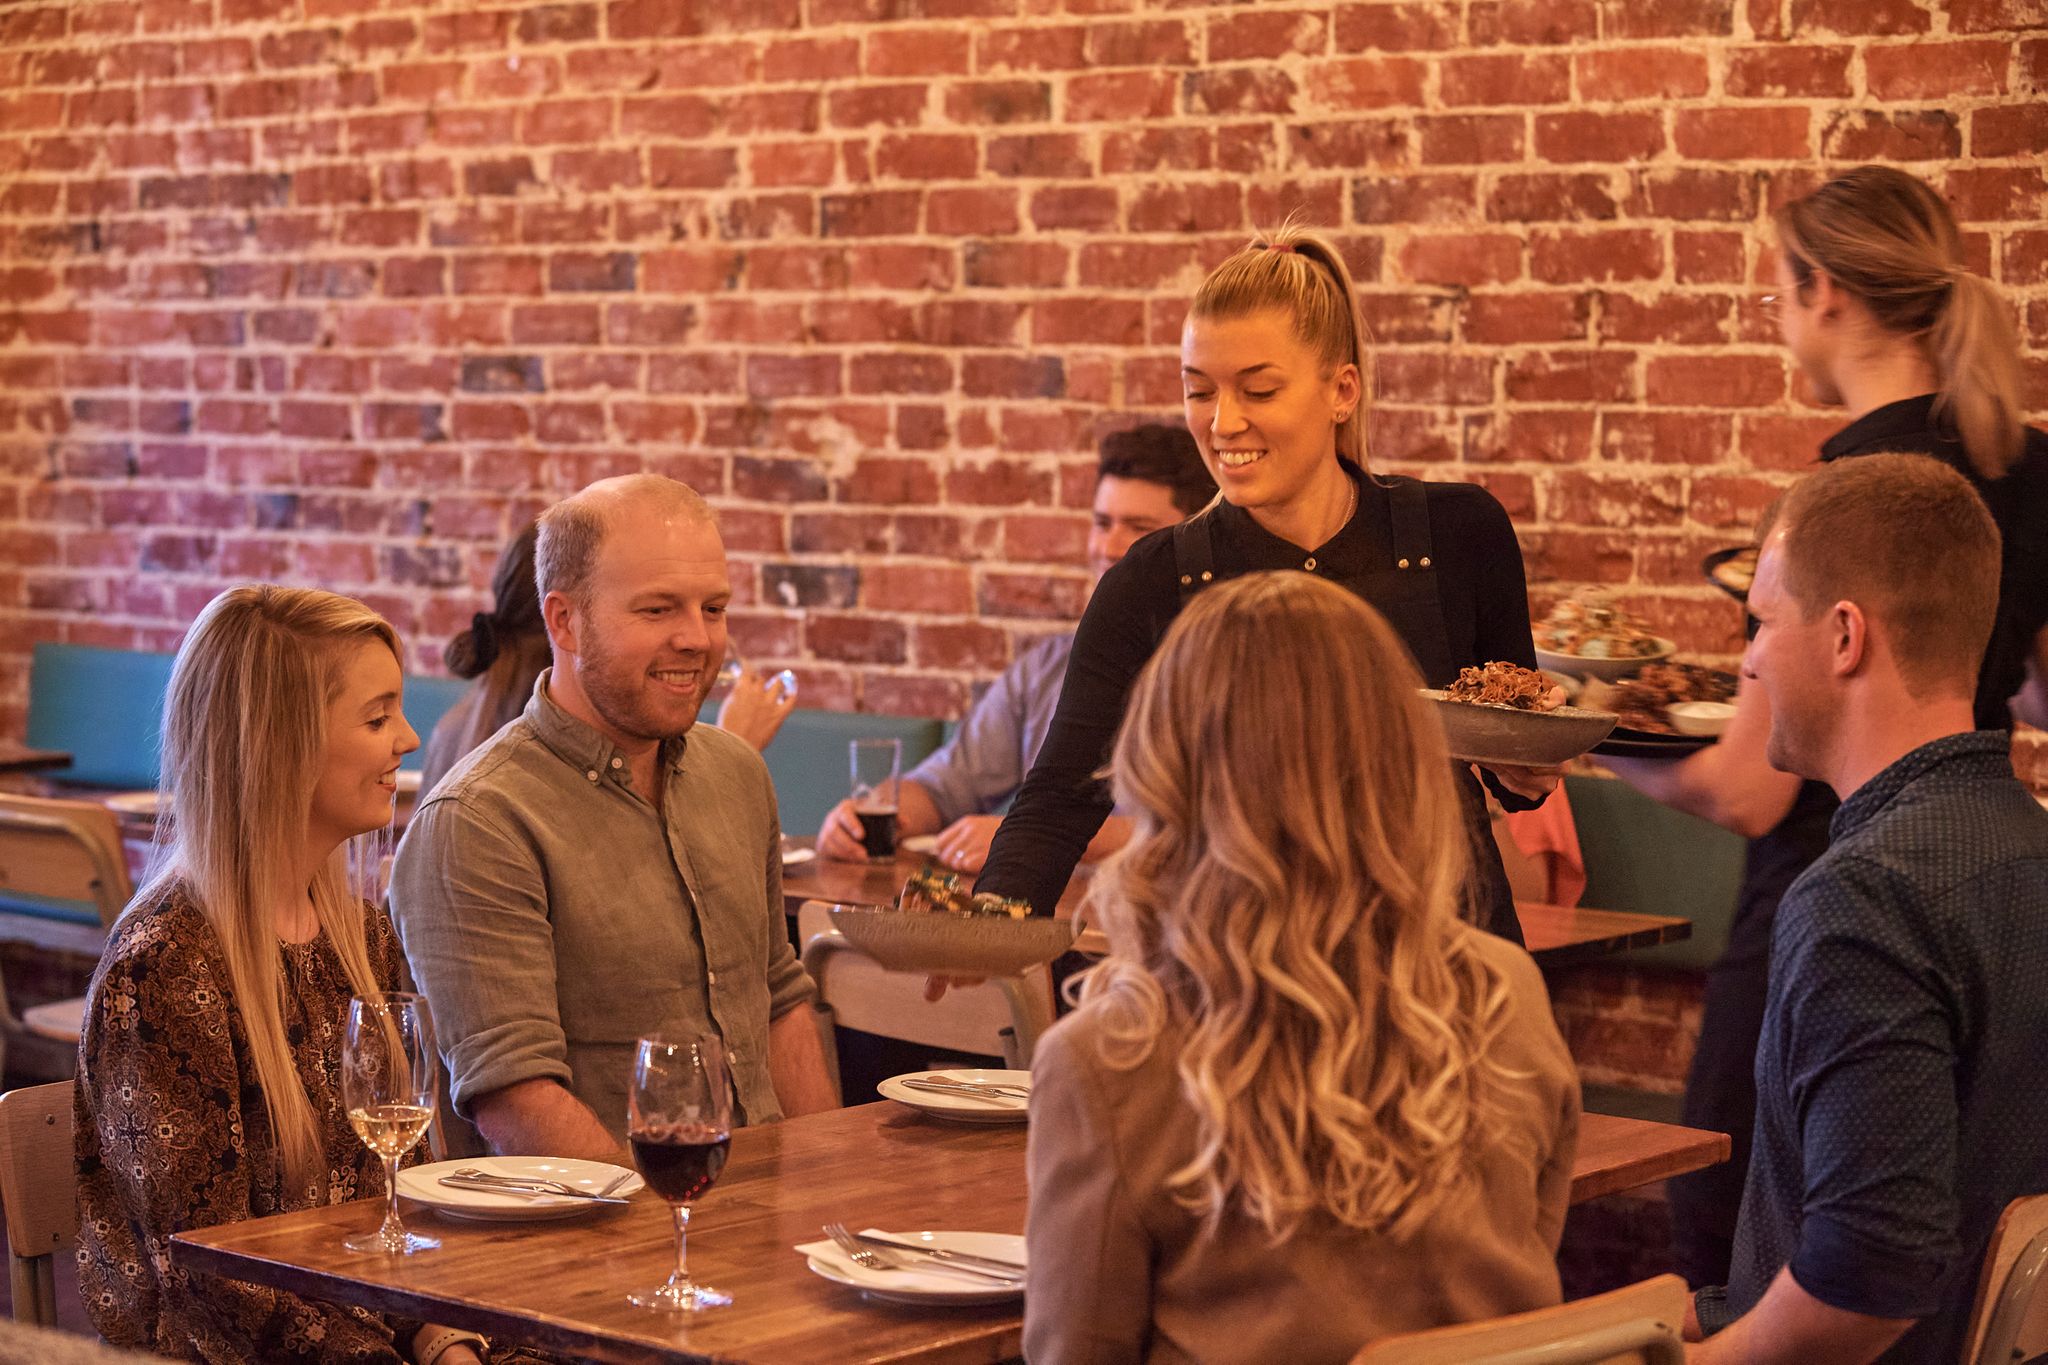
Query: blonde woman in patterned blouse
209	1083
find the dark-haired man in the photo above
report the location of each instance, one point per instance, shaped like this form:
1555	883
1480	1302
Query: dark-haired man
1146	478
1899	1104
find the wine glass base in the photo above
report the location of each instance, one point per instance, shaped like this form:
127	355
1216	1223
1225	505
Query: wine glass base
379	1244
679	1297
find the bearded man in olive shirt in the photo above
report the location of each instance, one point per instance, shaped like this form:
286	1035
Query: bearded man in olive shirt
602	869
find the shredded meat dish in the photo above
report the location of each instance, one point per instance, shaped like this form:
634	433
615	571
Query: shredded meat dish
1504	684
1641	701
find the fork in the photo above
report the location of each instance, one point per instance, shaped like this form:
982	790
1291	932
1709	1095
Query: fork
984	1089
471	1175
869	1259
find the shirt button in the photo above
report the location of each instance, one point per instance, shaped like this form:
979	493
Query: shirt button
1309	564
618	763
737	1059
711	978
592	774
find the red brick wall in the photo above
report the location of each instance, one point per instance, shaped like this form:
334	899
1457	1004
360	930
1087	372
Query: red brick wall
338	291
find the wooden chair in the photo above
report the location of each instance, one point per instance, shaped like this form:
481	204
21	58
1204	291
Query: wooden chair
63	882
1639	1323
38	1192
2009	1321
1003	1016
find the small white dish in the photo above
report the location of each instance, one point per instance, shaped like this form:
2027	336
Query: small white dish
140	805
911	1285
1700	718
925	845
422	1185
961	1108
797	857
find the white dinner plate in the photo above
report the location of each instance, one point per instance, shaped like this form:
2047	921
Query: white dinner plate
962	1108
926	845
793	857
923	1286
139	804
422	1184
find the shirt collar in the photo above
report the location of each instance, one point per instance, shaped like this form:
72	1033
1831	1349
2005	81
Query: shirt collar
583	748
1974	755
1881	428
1349	552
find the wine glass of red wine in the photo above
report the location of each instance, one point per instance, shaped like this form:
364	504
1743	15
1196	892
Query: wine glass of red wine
679	1121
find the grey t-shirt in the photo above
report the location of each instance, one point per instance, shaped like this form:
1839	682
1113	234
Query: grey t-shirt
553	918
979	769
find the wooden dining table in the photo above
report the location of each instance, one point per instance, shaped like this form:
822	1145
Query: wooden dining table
1556	935
20	758
561	1286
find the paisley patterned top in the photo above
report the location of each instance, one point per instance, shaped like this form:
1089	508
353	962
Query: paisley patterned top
172	1135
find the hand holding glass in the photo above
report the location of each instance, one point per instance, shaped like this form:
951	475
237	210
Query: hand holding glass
388	1076
877	772
679	1122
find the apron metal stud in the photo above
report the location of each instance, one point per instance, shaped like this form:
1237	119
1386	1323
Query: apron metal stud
1309	564
1401	564
1185	580
1425	561
1206	575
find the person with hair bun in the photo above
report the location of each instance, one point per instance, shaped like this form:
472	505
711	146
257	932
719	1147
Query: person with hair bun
506	648
1274	372
1883	317
1302	1105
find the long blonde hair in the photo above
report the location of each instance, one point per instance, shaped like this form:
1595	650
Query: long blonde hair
244	734
1888	239
1304	277
1286	917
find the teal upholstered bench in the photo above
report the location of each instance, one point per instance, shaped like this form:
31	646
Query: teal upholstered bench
1652	860
809	763
105	706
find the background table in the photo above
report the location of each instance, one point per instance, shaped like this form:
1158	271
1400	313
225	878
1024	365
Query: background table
562	1286
19	758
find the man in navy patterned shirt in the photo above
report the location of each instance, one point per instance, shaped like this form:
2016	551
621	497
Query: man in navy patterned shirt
1899	1100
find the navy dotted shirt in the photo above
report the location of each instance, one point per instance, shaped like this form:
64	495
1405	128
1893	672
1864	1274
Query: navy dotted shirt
1900	1100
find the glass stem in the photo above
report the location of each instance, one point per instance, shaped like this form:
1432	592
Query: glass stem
393	1230
682	1213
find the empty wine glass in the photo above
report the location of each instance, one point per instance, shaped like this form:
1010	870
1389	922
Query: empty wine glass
388	1077
679	1122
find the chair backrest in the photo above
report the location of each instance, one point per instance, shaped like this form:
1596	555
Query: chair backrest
61	860
1639	1323
1003	1016
38	1188
2009	1321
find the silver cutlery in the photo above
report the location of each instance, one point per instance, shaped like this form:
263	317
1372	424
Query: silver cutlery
868	1259
942	1254
471	1178
975	1088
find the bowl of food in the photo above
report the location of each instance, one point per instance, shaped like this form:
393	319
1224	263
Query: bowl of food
1506	714
1732	570
1589	637
1700	718
940	926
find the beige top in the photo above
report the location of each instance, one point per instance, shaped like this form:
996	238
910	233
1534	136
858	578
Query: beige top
1120	1272
553	917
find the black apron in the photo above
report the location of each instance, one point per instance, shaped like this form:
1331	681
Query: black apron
1404	590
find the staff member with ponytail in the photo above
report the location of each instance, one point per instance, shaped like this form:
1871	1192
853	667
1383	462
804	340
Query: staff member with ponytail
1273	366
1882	317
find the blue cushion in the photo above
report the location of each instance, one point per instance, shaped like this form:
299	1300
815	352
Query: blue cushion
808	758
61	909
104	707
1652	860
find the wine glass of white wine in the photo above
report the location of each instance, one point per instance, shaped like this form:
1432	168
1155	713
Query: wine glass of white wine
388	1077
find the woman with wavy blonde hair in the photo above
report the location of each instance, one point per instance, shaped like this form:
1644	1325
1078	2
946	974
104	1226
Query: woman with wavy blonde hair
209	1066
1302	1104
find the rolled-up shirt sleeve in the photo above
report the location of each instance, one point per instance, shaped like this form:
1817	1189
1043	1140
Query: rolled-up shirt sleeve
471	906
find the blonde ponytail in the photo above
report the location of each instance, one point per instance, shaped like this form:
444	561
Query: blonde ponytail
1977	356
1890	240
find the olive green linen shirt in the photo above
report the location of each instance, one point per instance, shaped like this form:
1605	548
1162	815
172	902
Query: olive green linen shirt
552	917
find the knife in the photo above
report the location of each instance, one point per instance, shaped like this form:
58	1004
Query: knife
493	1187
941	1254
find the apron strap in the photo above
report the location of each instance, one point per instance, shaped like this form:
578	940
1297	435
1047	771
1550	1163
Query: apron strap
1422	623
1410	505
1194	555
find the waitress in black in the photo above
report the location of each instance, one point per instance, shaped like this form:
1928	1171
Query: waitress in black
1273	369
